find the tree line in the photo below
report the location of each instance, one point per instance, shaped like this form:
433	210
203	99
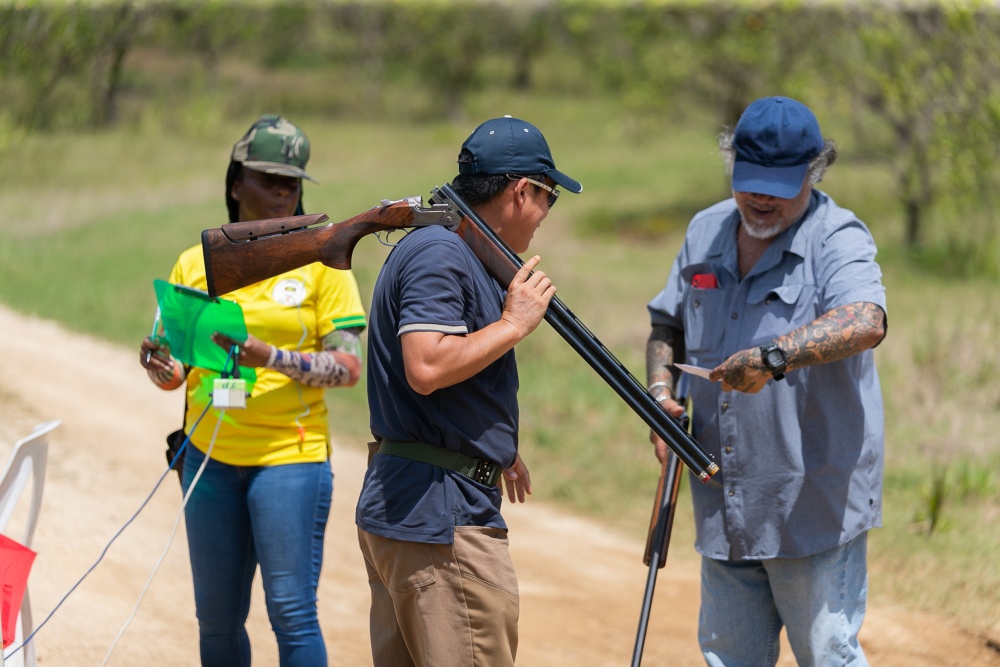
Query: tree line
920	83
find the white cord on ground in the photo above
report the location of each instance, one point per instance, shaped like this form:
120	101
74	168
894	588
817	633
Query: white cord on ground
104	552
170	541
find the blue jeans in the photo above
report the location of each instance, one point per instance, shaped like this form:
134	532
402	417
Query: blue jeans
242	517
820	600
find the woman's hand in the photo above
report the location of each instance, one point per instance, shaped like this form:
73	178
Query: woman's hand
166	372
154	355
253	352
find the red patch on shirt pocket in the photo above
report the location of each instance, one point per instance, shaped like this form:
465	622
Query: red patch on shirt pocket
704	281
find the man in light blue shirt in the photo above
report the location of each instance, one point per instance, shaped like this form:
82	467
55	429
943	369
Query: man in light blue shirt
778	292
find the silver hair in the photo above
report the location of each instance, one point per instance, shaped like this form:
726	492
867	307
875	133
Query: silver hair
817	166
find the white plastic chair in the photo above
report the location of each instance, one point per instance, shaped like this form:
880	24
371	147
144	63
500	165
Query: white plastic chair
26	461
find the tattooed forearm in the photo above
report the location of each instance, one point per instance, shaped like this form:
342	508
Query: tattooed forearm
320	369
347	341
835	335
339	364
665	345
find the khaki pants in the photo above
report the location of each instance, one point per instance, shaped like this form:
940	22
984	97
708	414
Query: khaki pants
442	605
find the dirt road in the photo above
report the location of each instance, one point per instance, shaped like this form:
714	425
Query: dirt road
581	584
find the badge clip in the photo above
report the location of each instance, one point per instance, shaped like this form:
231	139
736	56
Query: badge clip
229	393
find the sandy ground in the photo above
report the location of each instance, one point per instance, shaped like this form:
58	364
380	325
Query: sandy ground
581	584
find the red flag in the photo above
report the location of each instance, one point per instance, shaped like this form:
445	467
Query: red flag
15	563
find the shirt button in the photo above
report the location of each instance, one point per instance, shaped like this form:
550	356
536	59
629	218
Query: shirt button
697	304
729	450
732	493
725	406
734	316
767	301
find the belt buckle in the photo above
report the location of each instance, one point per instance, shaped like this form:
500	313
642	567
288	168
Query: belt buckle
484	472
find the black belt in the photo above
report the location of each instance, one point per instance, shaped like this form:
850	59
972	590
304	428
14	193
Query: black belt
480	470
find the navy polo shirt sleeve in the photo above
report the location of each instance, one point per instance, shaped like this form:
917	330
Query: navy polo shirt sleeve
433	282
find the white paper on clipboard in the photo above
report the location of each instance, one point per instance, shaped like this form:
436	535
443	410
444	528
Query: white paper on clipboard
695	370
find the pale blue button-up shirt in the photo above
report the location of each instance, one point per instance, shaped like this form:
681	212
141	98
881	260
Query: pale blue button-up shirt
801	461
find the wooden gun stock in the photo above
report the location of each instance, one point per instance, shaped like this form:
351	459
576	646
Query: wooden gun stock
661	521
243	253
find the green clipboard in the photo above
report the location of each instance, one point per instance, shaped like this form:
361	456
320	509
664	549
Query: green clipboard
189	317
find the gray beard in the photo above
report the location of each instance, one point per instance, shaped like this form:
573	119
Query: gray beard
761	233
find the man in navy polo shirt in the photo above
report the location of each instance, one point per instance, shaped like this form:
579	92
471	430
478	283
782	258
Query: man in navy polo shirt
442	392
777	292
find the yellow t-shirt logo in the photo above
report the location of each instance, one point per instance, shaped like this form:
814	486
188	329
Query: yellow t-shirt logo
289	292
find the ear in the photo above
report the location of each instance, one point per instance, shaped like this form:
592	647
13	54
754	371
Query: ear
519	194
234	192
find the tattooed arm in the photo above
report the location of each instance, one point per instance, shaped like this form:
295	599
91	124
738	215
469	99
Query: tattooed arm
338	365
665	345
836	335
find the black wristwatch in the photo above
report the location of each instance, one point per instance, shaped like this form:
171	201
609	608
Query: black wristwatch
774	360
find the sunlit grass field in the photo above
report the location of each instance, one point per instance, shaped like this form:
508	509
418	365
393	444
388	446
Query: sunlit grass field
87	222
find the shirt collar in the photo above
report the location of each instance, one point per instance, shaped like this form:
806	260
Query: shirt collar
724	244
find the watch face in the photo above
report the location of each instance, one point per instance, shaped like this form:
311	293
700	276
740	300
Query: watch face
773	358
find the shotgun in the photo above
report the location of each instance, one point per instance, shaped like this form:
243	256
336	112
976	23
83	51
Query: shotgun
242	253
661	524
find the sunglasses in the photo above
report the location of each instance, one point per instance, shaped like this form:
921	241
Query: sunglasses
553	193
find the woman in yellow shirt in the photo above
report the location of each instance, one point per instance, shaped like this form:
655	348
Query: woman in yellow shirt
264	496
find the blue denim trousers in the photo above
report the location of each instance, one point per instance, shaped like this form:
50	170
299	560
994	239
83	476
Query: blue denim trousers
242	517
820	600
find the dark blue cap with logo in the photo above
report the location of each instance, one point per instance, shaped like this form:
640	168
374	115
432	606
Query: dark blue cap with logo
774	141
511	146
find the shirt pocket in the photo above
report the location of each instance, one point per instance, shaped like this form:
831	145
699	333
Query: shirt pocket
704	321
778	309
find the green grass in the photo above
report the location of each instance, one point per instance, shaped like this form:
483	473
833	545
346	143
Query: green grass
90	220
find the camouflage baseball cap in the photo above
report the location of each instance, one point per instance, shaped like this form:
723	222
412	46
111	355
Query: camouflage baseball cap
274	145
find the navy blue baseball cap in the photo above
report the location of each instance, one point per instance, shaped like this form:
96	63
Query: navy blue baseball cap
774	141
511	146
